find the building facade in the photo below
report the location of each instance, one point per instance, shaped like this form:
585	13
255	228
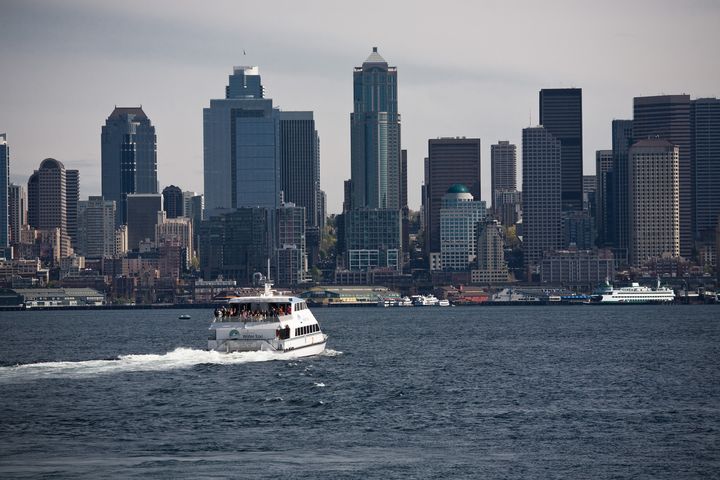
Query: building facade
654	200
4	192
577	269
372	239
503	168
96	228
491	266
173	201
705	123
622	140
460	215
17	211
450	161
47	202
541	194
129	157
291	250
142	217
668	117
561	115
604	195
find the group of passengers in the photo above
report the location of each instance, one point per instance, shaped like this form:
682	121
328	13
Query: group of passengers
245	311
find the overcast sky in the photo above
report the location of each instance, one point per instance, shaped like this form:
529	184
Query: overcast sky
465	68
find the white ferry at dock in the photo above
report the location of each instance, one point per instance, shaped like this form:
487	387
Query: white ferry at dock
633	294
269	322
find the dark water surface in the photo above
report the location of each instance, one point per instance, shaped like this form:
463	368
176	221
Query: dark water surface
502	392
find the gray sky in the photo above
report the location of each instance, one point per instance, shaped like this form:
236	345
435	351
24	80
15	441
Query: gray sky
465	68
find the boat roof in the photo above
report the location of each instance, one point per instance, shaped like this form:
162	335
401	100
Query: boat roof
267	299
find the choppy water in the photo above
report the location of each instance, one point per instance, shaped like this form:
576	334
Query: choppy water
506	392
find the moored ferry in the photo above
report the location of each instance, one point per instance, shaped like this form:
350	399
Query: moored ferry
635	293
269	322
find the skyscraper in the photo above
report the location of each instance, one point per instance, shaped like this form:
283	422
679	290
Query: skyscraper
668	117
300	163
622	139
291	253
561	115
4	183
705	122
654	200
450	161
72	197
375	135
241	140
604	211
129	157
96	227
47	202
173	201
460	215
541	194
17	211
503	167
142	217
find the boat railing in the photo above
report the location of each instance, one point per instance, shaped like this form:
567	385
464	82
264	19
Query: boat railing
251	318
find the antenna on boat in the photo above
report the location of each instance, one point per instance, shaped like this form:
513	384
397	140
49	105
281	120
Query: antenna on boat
268	281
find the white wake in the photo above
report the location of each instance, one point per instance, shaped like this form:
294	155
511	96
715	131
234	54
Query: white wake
177	359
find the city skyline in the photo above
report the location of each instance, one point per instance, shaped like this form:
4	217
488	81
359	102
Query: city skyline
67	60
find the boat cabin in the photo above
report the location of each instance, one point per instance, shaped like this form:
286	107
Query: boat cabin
256	310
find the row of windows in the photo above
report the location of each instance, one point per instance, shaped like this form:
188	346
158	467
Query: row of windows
307	329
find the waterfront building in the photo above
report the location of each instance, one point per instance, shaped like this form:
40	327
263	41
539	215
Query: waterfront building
491	266
622	140
96	227
17	211
541	194
460	215
561	115
705	123
129	157
503	169
577	269
654	200
668	117
142	217
4	186
450	161
604	209
47	202
173	201
234	244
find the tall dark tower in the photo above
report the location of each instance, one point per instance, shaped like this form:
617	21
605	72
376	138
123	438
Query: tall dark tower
375	135
129	157
561	115
668	117
622	135
705	121
173	202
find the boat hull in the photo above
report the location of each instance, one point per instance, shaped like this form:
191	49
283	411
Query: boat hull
279	350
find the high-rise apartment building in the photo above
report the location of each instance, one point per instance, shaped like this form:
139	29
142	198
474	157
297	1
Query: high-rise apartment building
604	195
47	202
541	194
173	201
491	266
72	197
460	215
503	167
450	161
622	139
96	236
561	115
375	135
17	211
129	157
705	123
668	117
654	195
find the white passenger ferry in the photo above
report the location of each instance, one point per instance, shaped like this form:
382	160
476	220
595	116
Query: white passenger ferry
633	294
274	323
